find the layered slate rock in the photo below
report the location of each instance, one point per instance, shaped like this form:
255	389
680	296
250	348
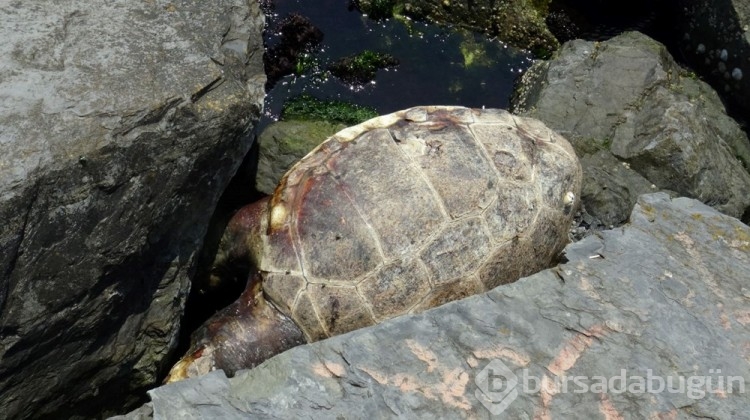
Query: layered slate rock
628	99
665	296
120	125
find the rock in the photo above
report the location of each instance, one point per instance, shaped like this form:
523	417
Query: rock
665	296
144	412
283	143
627	96
356	70
120	126
517	22
297	37
612	188
715	38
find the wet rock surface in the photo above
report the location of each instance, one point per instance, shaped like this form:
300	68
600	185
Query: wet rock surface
715	38
664	296
120	126
627	97
519	23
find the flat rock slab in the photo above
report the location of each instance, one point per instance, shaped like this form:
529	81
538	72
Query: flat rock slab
662	298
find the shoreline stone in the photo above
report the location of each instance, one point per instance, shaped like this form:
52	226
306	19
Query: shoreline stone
665	295
120	124
626	97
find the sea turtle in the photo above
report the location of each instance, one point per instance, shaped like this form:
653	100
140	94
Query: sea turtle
395	215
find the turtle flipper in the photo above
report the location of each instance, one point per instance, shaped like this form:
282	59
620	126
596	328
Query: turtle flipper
240	336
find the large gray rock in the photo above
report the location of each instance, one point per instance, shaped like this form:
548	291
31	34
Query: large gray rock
663	297
715	38
628	97
120	125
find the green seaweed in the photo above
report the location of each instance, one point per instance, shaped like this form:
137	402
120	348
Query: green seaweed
361	68
474	53
541	6
309	108
306	62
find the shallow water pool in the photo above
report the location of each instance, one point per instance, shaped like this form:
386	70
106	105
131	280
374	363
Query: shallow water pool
437	65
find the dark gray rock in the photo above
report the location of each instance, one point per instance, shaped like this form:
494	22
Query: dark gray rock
144	412
665	296
627	96
120	124
612	187
715	38
283	143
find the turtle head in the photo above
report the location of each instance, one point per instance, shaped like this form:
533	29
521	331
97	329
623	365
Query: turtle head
238	251
241	336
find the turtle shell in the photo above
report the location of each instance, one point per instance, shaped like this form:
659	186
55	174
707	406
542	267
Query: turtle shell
413	209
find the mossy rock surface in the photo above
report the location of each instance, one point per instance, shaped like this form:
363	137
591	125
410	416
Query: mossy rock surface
361	68
306	121
517	22
285	142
